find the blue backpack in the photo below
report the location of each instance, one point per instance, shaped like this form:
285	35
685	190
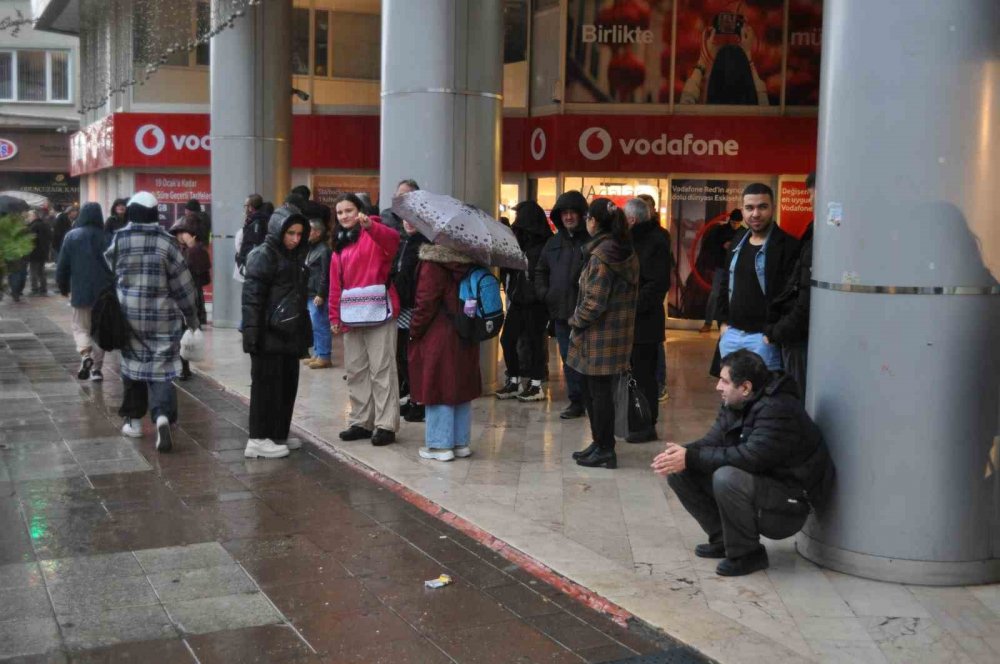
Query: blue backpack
480	285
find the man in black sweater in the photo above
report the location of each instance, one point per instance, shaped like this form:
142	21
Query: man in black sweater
759	264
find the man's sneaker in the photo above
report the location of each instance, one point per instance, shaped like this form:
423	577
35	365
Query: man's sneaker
461	451
84	372
531	393
96	376
383	437
320	363
710	550
264	448
355	432
748	564
436	455
163	441
132	427
290	443
508	391
573	411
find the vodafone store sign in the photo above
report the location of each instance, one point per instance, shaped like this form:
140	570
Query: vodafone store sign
144	139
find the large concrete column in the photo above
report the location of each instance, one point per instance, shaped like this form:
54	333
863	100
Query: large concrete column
442	105
904	374
251	131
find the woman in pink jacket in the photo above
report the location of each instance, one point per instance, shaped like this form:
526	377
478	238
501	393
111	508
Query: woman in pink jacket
363	249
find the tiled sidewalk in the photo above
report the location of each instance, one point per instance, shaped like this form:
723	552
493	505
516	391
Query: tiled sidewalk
110	552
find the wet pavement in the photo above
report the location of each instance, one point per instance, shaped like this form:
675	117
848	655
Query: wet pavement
111	552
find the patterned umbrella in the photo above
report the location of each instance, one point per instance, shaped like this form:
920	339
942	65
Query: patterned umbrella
465	228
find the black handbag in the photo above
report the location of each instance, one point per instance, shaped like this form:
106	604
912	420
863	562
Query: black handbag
632	412
287	317
108	326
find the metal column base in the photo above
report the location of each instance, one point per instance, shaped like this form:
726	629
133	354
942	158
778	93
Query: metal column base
898	570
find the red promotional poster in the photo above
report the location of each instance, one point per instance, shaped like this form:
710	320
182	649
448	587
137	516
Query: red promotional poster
173	190
729	52
805	42
795	209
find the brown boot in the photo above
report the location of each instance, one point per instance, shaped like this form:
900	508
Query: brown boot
320	364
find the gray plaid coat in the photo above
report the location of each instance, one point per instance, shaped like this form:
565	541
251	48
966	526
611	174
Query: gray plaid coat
157	294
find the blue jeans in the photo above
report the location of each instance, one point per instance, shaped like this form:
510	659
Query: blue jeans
574	379
157	397
321	329
734	339
448	427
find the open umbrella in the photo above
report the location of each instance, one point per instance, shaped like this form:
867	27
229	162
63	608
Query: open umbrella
450	222
12	205
32	199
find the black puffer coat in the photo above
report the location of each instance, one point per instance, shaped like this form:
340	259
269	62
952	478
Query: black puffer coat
273	272
557	275
318	264
653	249
772	436
404	267
532	231
788	314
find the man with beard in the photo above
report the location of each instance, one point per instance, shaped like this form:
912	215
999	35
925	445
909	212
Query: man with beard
759	470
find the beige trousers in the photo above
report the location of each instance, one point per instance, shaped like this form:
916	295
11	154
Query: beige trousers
372	383
81	335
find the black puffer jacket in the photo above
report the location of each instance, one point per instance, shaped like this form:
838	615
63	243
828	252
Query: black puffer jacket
788	314
653	249
254	232
557	275
318	264
273	272
773	436
532	231
404	267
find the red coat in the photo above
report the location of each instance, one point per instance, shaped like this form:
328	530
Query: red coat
444	370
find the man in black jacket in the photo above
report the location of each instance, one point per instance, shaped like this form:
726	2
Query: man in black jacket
254	229
759	263
758	471
788	315
653	250
42	230
557	277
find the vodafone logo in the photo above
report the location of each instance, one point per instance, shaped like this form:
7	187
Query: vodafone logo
537	144
159	140
150	140
600	134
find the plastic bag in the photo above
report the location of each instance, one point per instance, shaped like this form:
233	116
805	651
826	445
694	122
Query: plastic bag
193	345
632	411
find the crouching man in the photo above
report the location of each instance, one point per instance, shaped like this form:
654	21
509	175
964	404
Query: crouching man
758	471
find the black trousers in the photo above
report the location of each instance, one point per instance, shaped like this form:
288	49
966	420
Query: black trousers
598	399
526	322
274	383
727	506
39	281
403	361
644	372
157	397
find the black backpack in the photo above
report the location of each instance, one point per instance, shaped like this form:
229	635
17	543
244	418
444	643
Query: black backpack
481	285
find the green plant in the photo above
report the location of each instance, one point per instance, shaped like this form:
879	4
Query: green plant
15	240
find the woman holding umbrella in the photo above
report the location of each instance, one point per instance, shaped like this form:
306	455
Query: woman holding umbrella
603	324
363	251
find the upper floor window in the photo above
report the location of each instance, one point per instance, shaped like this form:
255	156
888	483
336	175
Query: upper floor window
164	40
35	76
336	44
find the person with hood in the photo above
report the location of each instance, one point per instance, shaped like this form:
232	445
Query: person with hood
317	290
404	277
527	315
603	325
557	276
276	331
760	470
158	299
198	220
363	249
444	369
117	219
82	273
39	226
199	262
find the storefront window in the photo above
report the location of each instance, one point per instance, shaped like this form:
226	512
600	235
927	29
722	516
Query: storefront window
510	195
357	45
620	189
60	76
321	44
545	193
300	41
6	75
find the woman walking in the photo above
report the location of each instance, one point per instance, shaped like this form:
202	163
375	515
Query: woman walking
276	332
82	273
363	249
444	369
603	325
404	276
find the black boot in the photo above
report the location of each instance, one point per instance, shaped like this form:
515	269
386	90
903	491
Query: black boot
600	458
748	564
415	413
585	452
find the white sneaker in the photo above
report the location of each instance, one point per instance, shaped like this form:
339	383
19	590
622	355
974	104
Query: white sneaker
290	443
265	448
436	454
164	443
462	451
132	428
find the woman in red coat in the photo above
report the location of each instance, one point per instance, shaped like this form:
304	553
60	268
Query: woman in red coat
444	370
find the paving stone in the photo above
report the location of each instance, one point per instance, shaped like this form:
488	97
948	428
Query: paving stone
25	603
28	637
85	631
20	575
136	464
84	594
91	567
181	585
213	614
192	556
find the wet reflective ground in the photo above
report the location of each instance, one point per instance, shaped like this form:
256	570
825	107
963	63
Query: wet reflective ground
111	552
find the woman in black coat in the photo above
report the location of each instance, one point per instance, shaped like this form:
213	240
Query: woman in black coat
404	276
276	331
116	220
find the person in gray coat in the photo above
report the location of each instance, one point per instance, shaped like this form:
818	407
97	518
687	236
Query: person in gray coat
81	274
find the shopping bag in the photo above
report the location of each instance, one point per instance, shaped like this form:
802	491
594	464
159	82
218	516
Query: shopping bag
632	412
193	346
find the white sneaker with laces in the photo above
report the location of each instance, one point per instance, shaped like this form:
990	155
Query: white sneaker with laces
290	443
264	448
436	454
462	451
132	427
164	442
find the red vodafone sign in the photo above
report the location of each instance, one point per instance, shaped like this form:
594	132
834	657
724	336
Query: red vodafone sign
158	140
